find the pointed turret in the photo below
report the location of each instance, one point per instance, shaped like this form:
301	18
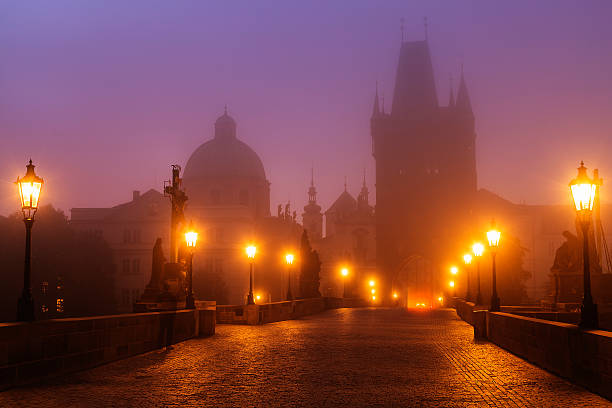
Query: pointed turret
463	98
312	191
415	88
312	217
376	109
362	198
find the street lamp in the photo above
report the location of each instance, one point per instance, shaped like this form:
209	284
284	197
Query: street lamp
191	239
289	260
467	259
478	249
29	192
452	285
583	192
345	273
454	270
250	251
372	283
493	236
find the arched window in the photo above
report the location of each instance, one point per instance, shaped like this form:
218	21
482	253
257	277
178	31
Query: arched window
243	197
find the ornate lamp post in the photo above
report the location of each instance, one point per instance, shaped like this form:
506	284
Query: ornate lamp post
191	238
452	285
478	249
29	193
454	270
289	260
493	236
345	273
467	259
583	192
250	251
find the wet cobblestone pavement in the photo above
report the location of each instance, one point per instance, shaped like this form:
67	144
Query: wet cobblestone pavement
346	357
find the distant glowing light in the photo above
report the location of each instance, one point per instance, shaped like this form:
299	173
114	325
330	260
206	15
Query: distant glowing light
440	299
373	297
250	251
454	270
258	297
289	259
477	249
467	258
451	284
395	295
344	272
372	283
373	291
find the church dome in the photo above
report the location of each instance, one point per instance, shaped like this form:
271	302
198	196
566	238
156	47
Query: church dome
224	156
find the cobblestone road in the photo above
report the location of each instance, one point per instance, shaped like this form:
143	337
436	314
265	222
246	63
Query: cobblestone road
346	357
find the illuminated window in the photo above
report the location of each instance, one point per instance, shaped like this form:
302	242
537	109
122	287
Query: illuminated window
60	305
60	283
44	308
44	288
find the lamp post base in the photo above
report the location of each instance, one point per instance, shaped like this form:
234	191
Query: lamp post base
25	309
588	316
495	304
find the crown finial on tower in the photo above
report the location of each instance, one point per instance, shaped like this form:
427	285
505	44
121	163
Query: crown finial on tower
402	28
425	24
225	109
345	183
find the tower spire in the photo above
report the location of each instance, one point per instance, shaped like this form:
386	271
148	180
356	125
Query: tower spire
312	191
463	98
362	198
425	24
376	109
402	28
345	183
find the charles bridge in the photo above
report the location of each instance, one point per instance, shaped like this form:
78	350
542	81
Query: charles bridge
310	352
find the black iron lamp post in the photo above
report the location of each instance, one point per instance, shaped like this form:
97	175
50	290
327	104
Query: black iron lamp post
289	259
493	236
29	192
250	251
478	249
345	273
191	238
583	192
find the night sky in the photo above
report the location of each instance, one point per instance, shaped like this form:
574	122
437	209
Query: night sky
105	95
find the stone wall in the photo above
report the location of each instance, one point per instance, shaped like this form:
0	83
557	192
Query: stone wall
278	311
30	351
582	356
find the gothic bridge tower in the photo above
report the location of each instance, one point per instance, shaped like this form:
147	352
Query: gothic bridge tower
425	173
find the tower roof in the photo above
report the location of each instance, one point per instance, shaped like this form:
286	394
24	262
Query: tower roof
463	98
415	87
344	203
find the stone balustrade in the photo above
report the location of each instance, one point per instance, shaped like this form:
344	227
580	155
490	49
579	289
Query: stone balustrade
30	351
582	356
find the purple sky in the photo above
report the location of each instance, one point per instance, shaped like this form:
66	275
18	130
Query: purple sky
105	95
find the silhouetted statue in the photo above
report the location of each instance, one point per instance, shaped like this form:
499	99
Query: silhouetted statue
568	257
287	211
310	269
279	210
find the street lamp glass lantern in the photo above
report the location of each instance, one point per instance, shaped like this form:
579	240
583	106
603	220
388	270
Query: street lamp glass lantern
289	259
477	249
454	270
467	258
344	272
191	237
583	191
493	236
29	191
250	251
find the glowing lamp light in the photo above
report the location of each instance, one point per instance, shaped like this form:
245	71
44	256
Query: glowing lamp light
467	259
289	259
258	297
440	299
493	236
373	291
344	272
451	284
373	297
394	295
191	236
477	249
29	191
454	270
372	283
250	251
583	191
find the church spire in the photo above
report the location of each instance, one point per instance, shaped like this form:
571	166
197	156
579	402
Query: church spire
376	109
362	198
451	98
463	98
312	191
